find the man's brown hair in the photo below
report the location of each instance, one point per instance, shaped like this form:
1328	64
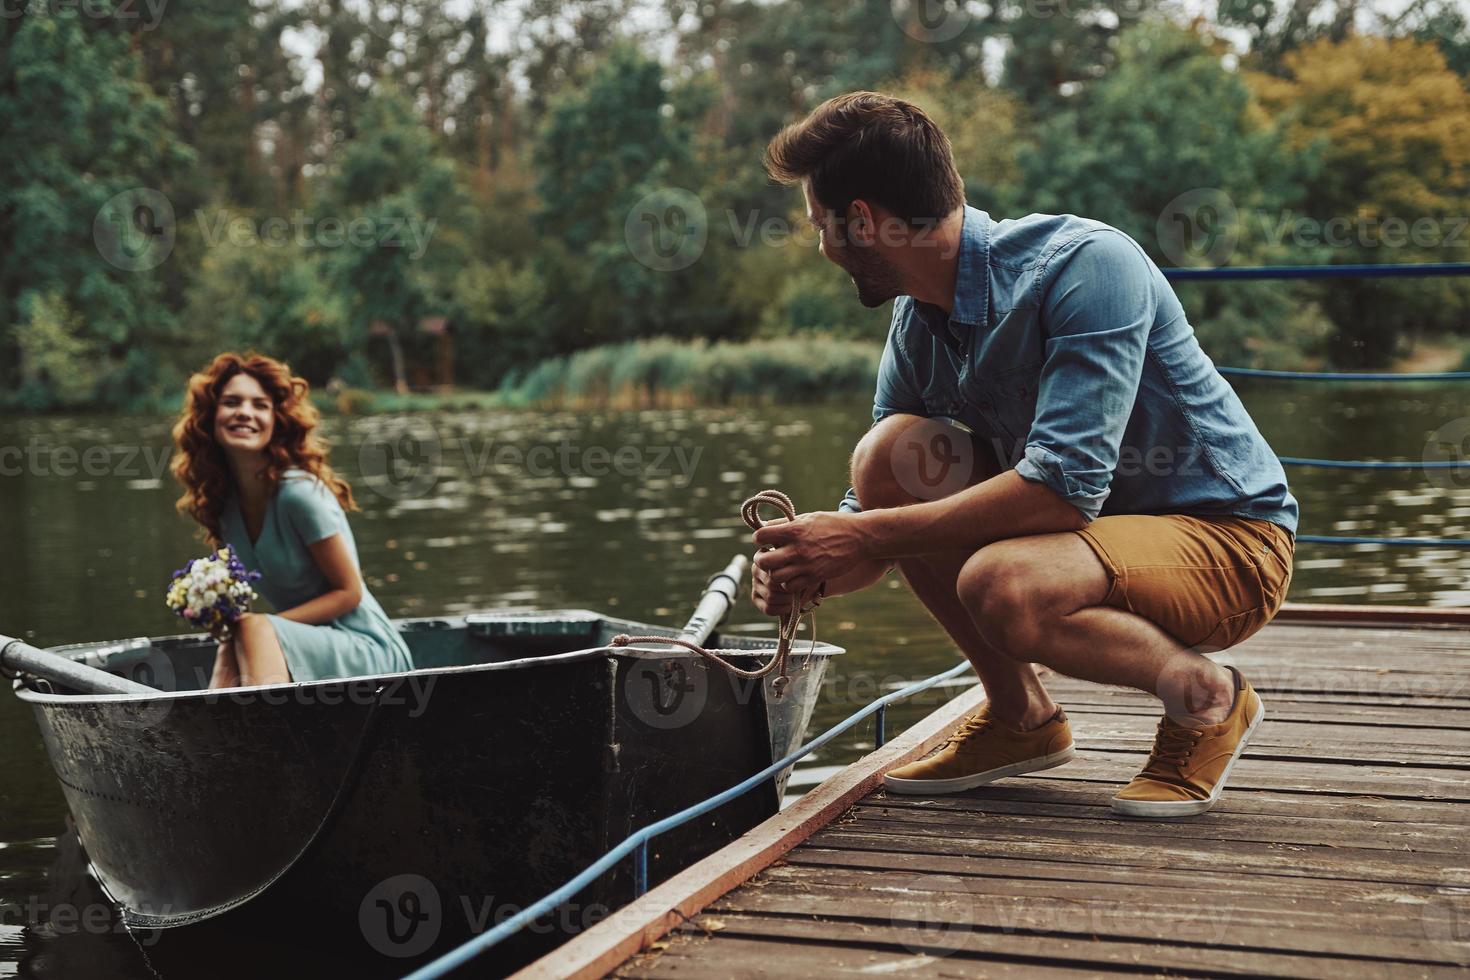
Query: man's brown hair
874	147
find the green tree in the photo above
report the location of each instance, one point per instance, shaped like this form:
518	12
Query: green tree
81	127
393	181
1392	124
618	208
1169	136
272	298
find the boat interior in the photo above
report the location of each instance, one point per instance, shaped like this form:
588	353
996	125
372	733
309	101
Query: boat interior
184	662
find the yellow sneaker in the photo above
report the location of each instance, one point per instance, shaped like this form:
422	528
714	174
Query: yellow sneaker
1189	764
982	750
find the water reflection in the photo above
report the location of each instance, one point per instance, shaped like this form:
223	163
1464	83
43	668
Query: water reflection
626	513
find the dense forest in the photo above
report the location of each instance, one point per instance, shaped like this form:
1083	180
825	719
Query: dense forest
423	192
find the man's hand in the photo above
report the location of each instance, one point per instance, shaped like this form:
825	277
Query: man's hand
766	596
808	551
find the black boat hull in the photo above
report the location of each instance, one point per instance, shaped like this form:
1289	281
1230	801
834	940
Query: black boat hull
398	815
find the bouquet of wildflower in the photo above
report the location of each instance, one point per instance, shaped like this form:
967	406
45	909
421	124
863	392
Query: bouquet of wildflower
212	593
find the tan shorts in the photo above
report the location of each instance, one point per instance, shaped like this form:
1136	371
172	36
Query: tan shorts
1209	582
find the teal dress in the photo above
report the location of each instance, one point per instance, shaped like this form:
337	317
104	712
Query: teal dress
302	512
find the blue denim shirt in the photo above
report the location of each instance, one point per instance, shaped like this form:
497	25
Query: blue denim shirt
1067	351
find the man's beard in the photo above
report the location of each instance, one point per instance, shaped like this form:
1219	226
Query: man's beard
876	278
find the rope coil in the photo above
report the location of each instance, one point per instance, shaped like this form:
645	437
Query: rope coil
789	623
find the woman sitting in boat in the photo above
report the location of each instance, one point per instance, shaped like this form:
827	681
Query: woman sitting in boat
256	478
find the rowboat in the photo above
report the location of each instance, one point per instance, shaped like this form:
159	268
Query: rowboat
400	813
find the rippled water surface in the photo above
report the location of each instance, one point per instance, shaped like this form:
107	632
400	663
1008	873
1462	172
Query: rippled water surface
624	513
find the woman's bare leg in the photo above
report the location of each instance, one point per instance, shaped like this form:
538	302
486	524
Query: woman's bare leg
258	652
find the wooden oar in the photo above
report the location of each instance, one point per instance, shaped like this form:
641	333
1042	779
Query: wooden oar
714	605
19	657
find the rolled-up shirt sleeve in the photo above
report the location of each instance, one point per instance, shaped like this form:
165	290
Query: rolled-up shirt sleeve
1097	307
895	394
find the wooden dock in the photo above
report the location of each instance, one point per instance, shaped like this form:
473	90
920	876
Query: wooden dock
1341	848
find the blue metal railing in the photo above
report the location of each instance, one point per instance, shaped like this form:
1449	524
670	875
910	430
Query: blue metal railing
1241	372
1401	270
637	843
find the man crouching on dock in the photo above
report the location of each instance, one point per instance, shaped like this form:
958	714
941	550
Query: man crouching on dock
1055	465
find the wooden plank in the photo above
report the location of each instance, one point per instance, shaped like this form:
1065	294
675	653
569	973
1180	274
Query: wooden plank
981	817
743	958
1099	953
1403	782
1146	852
1088	725
1008	868
1136	744
1404	915
1096	794
1392	899
1119	912
1278	709
1332	854
634	927
1340	697
1314	612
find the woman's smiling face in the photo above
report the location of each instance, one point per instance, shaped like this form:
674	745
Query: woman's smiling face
245	417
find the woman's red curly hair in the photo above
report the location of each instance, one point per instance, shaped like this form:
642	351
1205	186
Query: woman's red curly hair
200	465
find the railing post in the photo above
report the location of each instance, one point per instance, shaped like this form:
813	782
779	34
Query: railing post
881	724
640	870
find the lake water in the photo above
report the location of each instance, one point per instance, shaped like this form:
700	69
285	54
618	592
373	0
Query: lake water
625	513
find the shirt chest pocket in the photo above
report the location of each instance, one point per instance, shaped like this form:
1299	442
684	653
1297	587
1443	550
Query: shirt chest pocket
1006	399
